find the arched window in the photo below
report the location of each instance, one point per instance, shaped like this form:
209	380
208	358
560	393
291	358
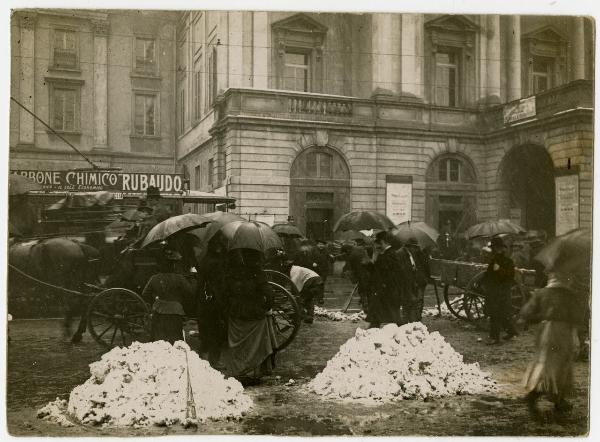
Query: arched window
451	169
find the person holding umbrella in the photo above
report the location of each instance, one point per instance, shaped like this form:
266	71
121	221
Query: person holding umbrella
358	268
389	296
417	275
170	292
497	283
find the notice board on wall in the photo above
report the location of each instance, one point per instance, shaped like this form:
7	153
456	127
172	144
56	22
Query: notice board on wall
567	203
398	198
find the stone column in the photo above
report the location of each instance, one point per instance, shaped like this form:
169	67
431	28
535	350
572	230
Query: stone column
578	51
514	58
235	48
412	56
493	59
260	55
382	60
100	83
27	78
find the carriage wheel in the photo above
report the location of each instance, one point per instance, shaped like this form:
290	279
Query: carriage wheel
118	317
455	301
279	278
475	302
286	315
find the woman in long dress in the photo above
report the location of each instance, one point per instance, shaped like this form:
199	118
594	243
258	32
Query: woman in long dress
251	337
559	310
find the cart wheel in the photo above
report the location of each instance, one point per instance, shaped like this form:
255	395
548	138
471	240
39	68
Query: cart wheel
280	278
286	315
475	302
455	301
118	317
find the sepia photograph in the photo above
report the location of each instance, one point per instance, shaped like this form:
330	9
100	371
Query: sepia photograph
298	222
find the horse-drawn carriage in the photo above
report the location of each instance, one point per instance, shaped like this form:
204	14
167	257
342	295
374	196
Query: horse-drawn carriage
118	314
464	294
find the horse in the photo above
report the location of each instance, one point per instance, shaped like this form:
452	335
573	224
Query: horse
61	262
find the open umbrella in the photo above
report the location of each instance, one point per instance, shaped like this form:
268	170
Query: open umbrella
218	220
425	235
287	230
493	228
569	254
350	235
19	184
173	225
363	220
250	235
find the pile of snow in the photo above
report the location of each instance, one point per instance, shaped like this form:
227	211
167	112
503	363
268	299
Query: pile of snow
339	316
146	384
395	363
55	412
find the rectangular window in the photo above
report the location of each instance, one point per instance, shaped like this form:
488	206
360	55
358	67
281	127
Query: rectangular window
212	77
65	108
145	55
211	165
197	86
446	78
197	178
65	49
541	74
145	115
296	74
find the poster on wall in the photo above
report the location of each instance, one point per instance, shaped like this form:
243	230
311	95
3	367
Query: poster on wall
398	198
567	203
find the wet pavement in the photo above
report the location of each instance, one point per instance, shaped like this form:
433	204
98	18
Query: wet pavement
43	365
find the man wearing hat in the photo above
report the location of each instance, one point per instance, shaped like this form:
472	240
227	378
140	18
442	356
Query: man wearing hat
170	292
416	277
497	284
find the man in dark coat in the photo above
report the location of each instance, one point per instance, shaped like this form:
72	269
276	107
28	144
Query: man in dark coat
170	292
416	276
212	302
385	304
359	269
497	283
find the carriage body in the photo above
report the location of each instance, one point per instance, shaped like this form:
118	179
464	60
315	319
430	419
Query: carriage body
464	294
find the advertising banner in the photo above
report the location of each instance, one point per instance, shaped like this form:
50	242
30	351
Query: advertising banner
567	203
60	181
398	198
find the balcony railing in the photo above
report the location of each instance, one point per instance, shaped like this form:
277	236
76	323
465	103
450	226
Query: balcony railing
312	107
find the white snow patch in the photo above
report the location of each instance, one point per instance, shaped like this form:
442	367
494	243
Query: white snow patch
146	384
395	363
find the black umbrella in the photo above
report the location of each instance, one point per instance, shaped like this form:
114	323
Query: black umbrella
173	225
569	254
288	230
363	220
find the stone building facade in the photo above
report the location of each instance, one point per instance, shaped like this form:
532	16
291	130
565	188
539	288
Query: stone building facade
443	118
104	80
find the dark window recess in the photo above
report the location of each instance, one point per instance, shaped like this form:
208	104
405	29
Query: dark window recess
451	199
320	197
211	165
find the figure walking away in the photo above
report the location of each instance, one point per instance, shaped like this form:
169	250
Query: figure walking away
560	311
388	299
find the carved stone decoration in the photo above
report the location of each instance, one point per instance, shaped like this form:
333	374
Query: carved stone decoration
28	20
321	138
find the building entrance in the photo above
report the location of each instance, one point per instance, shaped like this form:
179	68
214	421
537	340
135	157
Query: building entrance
527	194
319	191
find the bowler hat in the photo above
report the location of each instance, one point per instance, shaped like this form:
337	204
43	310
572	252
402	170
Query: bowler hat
497	243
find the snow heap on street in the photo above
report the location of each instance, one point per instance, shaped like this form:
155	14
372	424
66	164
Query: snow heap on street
146	384
338	315
395	363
